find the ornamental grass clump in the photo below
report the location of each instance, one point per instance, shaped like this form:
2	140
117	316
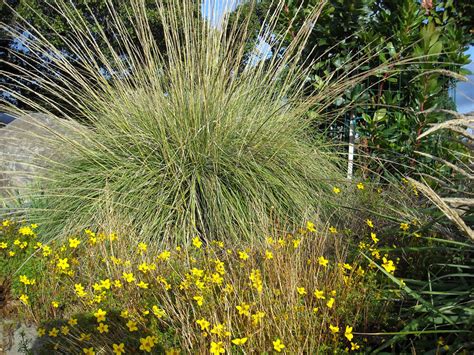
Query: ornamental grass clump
201	139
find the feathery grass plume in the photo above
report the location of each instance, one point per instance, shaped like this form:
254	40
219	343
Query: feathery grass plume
203	139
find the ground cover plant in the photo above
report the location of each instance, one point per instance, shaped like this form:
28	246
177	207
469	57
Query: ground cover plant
189	205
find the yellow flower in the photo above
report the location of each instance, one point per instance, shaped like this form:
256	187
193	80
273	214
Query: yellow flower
118	348
315	309
124	314
388	265
310	226
132	326
79	289
85	337
330	303
147	343
197	242
220	330
197	272
322	261
268	255
100	315
65	329
348	333
404	226
88	351
105	284
296	243
256	279
333	230
319	294
336	190
199	300
103	328
53	332
158	312
278	345
217	348
244	309
24	298
257	317
301	291
117	284
74	243
11	253
3	245
164	255
239	341
360	186
374	237
24	279
6	223
46	250
142	247
128	277
347	266
142	285
204	324
41	332
355	346
243	255
62	264
334	329
55	304
26	231
72	322
369	223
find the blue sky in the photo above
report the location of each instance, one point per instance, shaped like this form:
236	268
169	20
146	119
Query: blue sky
465	90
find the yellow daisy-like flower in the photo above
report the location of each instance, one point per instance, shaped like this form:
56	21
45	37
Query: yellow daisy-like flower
197	243
199	300
103	328
355	346
268	255
319	294
128	276
158	312
369	223
55	304
88	351
310	227
257	317
334	329
132	326
330	303
142	285
217	348
404	226
348	333
72	322
53	332
333	230
360	186
24	299
301	291
323	261
63	264
146	344
118	348
74	243
100	315
243	255
278	345
336	190
65	330
3	245
164	255
374	238
41	332
203	323
84	337
244	309
142	247
239	341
